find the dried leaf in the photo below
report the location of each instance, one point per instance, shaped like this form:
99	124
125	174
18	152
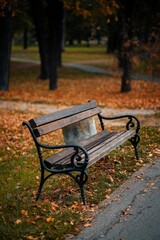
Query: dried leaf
87	225
18	221
24	212
49	219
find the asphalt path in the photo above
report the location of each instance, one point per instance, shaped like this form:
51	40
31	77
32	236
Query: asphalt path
132	212
90	68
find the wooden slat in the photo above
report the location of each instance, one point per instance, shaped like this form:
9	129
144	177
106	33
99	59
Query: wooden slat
62	114
52	126
64	156
90	147
97	146
104	149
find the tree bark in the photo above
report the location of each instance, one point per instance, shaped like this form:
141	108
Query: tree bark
112	43
126	76
25	38
55	17
125	45
48	19
41	25
5	48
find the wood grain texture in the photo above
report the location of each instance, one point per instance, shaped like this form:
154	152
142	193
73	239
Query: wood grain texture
97	147
62	114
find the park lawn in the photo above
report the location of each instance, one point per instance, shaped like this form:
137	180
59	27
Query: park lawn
70	54
76	86
59	210
94	55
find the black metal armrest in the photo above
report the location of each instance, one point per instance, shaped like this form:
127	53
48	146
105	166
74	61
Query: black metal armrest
133	121
76	156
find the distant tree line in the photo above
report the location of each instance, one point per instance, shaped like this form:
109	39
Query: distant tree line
127	24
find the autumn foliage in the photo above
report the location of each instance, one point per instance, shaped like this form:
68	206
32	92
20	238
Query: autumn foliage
74	88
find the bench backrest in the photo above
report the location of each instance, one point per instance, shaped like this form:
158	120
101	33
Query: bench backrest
54	121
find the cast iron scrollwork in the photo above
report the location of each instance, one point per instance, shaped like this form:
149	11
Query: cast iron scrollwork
77	159
135	140
131	124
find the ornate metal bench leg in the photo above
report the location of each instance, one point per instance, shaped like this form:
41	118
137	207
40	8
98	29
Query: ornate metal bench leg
41	185
134	141
83	196
81	180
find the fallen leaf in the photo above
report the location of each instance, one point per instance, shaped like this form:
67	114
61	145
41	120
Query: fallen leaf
18	221
24	212
49	219
138	177
87	225
31	238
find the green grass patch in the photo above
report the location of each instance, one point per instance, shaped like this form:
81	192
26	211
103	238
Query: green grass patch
71	54
82	53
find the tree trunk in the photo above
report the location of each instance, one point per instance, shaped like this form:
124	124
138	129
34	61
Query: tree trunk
63	30
44	55
126	76
112	43
25	38
60	31
55	17
125	45
48	18
41	24
5	48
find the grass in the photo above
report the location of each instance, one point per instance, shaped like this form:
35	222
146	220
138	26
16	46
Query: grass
95	55
59	210
71	54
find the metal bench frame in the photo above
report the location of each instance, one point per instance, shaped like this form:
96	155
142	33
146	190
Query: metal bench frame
76	158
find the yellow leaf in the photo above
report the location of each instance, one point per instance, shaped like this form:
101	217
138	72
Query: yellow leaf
18	221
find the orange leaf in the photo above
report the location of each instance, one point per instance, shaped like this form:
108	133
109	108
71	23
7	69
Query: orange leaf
49	219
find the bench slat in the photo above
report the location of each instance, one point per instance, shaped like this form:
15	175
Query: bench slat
93	146
105	149
99	146
57	124
64	156
66	153
62	114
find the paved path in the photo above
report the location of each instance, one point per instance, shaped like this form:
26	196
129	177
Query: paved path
90	68
48	108
132	212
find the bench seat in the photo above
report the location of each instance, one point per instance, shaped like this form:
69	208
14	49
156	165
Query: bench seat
97	147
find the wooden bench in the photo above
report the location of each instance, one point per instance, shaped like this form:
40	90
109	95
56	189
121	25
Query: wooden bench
74	158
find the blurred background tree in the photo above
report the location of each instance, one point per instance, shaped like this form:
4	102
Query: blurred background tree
130	27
